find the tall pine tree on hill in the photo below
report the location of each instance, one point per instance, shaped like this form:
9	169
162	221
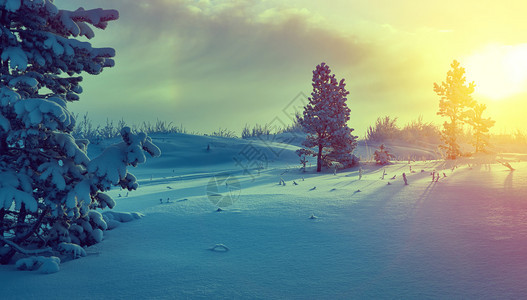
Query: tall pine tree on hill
49	188
325	120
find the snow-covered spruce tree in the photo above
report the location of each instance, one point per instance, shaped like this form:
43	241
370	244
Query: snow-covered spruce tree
382	156
325	120
480	127
456	100
49	187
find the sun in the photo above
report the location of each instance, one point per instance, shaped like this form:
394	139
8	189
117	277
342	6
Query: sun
499	71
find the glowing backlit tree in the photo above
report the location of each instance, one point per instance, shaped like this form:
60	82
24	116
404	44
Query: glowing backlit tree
455	101
480	126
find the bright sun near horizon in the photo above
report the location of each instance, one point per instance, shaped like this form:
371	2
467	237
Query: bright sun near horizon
499	71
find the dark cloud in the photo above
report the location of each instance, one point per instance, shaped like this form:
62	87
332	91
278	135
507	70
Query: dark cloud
252	60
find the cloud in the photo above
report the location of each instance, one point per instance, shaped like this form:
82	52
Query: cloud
252	56
210	63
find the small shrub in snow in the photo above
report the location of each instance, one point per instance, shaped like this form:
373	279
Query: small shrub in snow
303	162
223	132
382	156
257	131
405	179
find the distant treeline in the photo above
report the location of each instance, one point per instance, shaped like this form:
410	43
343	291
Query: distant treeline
385	129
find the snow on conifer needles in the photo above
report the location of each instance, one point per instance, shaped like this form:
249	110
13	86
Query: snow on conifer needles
49	187
325	120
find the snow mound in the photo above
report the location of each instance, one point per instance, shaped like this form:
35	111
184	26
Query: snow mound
121	217
74	250
46	265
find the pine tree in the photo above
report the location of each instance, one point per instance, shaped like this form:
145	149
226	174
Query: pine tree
49	188
480	127
325	120
382	156
454	103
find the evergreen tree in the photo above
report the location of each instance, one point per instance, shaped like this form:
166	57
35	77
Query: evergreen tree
49	188
325	120
480	126
456	100
382	156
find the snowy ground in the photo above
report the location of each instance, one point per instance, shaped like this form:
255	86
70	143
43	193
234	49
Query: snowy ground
462	237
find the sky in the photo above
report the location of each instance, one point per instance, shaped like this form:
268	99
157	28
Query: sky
213	64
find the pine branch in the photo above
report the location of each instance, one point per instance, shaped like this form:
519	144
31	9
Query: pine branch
35	227
24	251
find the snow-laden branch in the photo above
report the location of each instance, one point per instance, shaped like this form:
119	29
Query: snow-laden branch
74	21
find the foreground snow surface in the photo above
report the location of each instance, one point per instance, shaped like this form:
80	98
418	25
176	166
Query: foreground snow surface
462	237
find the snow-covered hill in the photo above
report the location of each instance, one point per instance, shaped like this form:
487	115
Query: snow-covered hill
318	236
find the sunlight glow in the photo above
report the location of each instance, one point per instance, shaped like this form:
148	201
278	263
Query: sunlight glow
499	71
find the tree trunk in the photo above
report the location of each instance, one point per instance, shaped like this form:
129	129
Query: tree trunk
3	144
20	222
6	258
319	158
2	215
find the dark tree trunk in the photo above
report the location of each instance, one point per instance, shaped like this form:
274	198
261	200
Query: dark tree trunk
319	158
4	259
20	222
19	238
2	215
3	144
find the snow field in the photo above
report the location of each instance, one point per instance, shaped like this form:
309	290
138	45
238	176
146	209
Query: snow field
461	237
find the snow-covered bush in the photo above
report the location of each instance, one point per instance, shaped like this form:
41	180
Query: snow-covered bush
382	156
325	120
49	187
